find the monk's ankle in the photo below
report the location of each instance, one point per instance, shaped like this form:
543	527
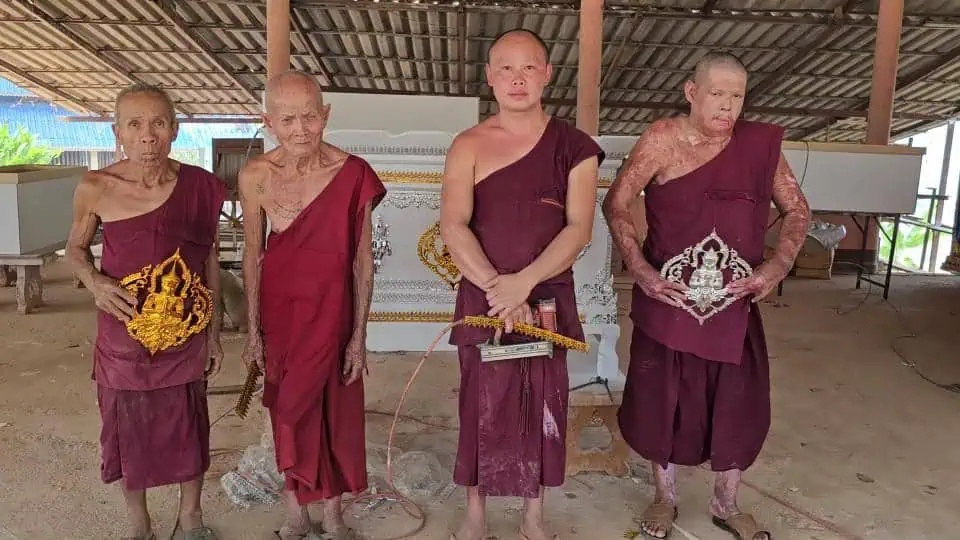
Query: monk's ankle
191	519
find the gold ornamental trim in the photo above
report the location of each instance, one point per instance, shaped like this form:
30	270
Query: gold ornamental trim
418	316
162	320
435	177
433	253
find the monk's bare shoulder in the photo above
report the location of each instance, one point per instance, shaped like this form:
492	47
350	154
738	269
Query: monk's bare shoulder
253	176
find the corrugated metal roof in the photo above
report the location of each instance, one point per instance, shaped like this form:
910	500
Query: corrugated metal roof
43	120
810	69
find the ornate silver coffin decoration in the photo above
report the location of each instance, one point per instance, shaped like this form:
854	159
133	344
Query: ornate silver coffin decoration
707	294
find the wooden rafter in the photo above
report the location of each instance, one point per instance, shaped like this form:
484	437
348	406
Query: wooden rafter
621	49
462	50
81	104
304	36
77	41
903	83
168	11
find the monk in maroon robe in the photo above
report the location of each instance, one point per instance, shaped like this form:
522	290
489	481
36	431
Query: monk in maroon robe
518	201
698	389
309	296
158	319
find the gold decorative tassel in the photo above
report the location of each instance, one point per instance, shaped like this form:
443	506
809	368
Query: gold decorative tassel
529	330
246	394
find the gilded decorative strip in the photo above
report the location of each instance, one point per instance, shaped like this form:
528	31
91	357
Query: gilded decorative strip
419	316
435	177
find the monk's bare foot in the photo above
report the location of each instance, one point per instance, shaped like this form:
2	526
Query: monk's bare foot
535	531
297	525
657	520
472	528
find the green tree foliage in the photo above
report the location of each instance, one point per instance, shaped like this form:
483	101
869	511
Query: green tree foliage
21	148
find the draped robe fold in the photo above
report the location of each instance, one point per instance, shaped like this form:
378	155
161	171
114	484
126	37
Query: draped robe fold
517	212
154	407
702	393
307	318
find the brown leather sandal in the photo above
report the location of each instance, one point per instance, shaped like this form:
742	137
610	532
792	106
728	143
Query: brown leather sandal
660	515
743	527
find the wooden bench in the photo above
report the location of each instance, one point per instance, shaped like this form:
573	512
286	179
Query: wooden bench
24	270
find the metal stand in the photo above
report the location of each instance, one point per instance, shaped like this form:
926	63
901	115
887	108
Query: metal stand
885	285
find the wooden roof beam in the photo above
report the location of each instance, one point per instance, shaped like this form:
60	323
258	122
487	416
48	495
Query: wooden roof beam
81	104
168	10
304	36
77	41
904	83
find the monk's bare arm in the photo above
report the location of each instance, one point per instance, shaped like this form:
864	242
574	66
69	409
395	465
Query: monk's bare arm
84	227
789	199
580	206
213	283
251	181
456	210
363	278
642	167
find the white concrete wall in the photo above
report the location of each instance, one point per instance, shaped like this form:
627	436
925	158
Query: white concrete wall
9	220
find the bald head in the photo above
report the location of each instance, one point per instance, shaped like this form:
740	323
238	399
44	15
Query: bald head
518	37
717	60
292	85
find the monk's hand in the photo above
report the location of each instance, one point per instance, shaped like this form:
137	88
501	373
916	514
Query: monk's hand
216	358
759	284
523	314
356	359
509	293
655	286
253	354
112	298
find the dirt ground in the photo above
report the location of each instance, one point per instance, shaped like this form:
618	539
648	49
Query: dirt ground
861	446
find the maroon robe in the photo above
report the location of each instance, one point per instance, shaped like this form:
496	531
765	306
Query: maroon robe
307	318
697	393
154	407
517	212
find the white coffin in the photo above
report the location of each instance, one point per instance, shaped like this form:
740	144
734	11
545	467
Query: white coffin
411	303
36	207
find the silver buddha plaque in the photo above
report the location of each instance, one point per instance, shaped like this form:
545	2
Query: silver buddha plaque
707	294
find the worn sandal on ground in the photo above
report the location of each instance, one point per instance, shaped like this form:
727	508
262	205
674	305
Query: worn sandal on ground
552	536
284	533
152	535
341	533
661	515
743	527
200	533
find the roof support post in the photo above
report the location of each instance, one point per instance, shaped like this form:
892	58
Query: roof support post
885	60
588	69
278	37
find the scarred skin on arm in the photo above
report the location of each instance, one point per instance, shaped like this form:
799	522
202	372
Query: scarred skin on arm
645	164
456	210
362	297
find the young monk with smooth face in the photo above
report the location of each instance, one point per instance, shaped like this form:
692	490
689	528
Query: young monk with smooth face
309	295
517	206
153	404
702	393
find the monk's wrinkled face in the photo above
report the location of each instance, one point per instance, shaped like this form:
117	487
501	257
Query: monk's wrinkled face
518	72
145	127
716	98
297	116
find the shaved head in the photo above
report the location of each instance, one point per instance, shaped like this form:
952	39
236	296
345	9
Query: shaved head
295	112
291	82
518	35
721	60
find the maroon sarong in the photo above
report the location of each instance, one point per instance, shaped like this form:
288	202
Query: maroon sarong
154	407
307	317
696	393
513	413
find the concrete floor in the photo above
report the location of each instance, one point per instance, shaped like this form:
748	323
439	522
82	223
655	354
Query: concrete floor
861	446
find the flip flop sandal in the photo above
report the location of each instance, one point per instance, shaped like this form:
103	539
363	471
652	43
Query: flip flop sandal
343	533
743	527
552	537
661	515
307	536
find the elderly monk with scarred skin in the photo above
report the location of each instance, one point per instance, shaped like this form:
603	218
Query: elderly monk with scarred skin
159	214
698	393
309	294
517	206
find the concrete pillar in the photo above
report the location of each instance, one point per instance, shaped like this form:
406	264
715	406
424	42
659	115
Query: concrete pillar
588	70
885	60
278	37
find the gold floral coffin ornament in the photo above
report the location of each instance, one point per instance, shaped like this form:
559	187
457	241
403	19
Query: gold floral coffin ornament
163	319
707	294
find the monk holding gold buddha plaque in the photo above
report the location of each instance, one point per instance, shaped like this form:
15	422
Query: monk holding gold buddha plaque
157	295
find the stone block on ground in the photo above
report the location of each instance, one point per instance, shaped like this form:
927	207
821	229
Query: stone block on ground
419	474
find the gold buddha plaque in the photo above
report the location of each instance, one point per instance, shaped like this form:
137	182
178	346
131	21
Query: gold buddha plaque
162	320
